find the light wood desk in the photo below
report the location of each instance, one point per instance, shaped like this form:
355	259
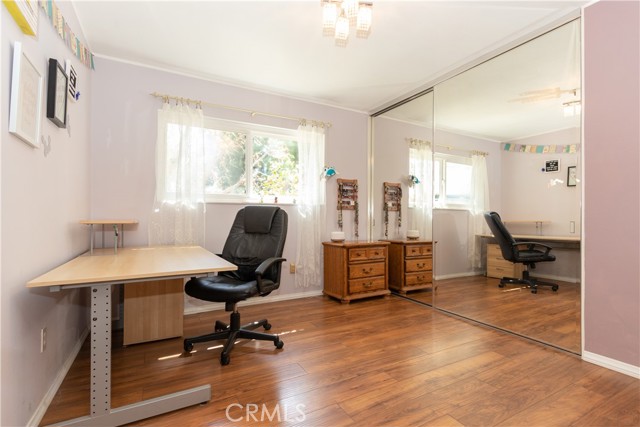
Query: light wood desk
103	269
568	240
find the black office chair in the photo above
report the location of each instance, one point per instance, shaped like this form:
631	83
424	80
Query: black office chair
255	244
527	253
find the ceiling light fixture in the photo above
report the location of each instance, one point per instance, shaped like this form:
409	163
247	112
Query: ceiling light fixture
338	16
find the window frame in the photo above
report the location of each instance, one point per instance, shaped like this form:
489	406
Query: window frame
249	129
442	159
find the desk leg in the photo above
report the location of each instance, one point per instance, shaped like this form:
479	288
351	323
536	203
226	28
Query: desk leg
100	349
101	412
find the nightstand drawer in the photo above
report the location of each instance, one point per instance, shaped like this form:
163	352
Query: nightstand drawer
418	278
363	254
367	270
419	264
419	250
366	285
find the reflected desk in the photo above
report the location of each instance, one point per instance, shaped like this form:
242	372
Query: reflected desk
103	269
569	242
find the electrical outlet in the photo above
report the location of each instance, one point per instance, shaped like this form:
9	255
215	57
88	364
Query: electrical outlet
292	268
43	339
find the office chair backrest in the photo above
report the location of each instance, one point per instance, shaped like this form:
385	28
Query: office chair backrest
257	233
501	234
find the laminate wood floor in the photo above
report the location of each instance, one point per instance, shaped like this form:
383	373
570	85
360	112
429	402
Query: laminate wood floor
374	362
550	317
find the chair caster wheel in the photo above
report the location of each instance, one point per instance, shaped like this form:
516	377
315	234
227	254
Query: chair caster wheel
224	359
188	347
267	326
534	291
501	285
554	288
279	344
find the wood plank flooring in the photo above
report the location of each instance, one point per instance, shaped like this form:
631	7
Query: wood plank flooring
374	362
550	317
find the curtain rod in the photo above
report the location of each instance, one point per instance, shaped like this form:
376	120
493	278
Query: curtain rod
451	147
253	113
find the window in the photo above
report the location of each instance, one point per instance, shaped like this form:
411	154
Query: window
246	162
452	178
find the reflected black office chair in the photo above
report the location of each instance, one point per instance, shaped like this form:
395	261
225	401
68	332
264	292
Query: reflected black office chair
527	253
255	244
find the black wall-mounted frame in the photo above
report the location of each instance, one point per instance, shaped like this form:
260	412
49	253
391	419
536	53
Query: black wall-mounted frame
572	179
57	94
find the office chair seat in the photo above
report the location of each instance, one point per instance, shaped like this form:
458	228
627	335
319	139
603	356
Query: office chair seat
255	245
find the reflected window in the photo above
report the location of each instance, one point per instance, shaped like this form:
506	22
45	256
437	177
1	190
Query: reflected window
452	178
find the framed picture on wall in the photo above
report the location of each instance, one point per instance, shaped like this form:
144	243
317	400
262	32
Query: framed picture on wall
26	98
572	178
57	94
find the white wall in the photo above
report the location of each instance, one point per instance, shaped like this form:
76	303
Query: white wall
43	197
123	141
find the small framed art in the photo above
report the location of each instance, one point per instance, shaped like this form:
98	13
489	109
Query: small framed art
57	94
26	98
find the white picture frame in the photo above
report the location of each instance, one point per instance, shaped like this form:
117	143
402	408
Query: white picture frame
25	108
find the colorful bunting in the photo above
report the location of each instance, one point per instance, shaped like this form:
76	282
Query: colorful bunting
540	149
64	31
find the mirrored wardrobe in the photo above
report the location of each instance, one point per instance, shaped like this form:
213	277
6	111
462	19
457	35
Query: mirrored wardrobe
502	136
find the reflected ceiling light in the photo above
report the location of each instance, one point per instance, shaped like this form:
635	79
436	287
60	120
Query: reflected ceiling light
338	16
572	108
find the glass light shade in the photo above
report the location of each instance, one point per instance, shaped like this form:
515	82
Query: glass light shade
350	8
577	109
568	110
329	15
364	18
342	28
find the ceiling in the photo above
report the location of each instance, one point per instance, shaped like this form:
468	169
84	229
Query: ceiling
278	46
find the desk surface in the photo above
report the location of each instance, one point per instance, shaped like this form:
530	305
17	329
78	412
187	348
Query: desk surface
539	238
108	221
133	264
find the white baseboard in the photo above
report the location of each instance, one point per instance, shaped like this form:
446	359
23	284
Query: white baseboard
36	418
614	365
255	301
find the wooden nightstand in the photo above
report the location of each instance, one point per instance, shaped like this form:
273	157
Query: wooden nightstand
355	269
410	265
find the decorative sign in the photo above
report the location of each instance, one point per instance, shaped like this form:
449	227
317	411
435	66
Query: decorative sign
25	13
551	166
57	94
73	81
26	98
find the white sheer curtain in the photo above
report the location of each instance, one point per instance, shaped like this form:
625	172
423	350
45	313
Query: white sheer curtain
479	205
178	215
421	166
311	205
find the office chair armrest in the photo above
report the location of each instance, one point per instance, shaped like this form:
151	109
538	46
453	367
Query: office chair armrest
533	245
263	267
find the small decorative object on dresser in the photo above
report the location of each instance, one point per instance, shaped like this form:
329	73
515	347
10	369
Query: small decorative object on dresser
410	265
355	269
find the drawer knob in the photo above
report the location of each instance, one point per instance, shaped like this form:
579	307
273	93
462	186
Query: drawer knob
368	285
367	271
422	265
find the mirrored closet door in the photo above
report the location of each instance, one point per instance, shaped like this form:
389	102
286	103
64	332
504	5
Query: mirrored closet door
507	139
402	196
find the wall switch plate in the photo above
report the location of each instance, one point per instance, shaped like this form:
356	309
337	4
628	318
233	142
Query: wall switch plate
43	339
292	268
572	226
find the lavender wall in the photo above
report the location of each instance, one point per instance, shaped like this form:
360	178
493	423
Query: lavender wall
123	141
44	196
612	180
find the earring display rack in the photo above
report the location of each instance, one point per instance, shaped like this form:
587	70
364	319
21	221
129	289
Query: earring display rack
348	201
392	203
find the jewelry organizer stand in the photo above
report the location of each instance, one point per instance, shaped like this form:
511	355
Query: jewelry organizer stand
392	203
348	201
